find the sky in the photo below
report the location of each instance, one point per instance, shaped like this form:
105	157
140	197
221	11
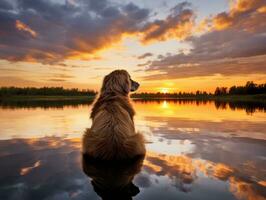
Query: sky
165	45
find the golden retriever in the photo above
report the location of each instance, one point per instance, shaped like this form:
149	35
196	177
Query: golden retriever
112	134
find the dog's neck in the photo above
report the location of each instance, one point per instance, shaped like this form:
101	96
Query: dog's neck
105	100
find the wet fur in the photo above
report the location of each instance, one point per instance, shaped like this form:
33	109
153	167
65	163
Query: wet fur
112	134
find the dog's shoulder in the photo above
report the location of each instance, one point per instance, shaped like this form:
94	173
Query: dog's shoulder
111	104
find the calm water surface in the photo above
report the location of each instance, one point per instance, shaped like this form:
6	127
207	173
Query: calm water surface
195	150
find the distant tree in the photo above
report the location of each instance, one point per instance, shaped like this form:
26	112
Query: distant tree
220	91
249	88
217	91
45	91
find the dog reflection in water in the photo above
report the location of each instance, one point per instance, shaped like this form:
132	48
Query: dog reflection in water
113	179
112	134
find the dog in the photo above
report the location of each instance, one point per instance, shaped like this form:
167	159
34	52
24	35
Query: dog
112	134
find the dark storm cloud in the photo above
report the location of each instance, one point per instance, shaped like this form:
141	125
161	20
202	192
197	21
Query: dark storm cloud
5	5
234	46
65	30
52	31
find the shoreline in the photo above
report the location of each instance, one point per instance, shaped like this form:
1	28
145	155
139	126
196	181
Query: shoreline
246	98
47	98
242	98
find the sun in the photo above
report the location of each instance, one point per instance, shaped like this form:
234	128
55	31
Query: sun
164	90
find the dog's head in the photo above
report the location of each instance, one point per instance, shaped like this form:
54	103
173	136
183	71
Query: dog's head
120	82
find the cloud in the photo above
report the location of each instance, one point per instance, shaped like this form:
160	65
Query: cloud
144	64
58	77
233	46
57	80
49	31
145	55
178	24
242	14
53	31
174	67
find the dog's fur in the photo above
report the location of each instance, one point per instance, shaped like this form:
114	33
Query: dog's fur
112	134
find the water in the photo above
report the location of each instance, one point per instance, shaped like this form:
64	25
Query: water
195	150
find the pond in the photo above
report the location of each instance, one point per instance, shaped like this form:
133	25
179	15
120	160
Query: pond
195	150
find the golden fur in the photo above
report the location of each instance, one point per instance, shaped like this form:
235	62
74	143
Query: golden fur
112	134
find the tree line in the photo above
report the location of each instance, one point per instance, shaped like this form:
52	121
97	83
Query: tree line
149	95
249	88
45	91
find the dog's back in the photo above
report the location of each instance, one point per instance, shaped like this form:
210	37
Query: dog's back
112	135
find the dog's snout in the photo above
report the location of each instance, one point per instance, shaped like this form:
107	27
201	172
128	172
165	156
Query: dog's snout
134	86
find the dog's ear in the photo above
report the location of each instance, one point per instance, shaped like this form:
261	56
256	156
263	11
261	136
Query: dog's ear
126	83
118	81
105	85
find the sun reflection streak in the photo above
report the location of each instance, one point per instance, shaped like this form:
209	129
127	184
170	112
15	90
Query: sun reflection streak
165	105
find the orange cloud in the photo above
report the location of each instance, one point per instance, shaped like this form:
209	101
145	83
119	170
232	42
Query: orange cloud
23	27
235	16
76	33
238	6
178	24
222	21
231	43
262	9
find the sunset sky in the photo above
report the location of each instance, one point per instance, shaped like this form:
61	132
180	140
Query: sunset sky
166	45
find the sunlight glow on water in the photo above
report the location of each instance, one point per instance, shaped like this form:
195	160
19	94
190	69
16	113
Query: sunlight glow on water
194	151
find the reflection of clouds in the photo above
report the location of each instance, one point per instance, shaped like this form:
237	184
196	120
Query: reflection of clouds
227	150
37	123
59	175
50	170
26	170
186	129
219	145
226	128
192	151
161	145
178	168
185	171
246	190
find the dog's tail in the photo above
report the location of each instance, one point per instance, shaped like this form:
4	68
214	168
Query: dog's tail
113	147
